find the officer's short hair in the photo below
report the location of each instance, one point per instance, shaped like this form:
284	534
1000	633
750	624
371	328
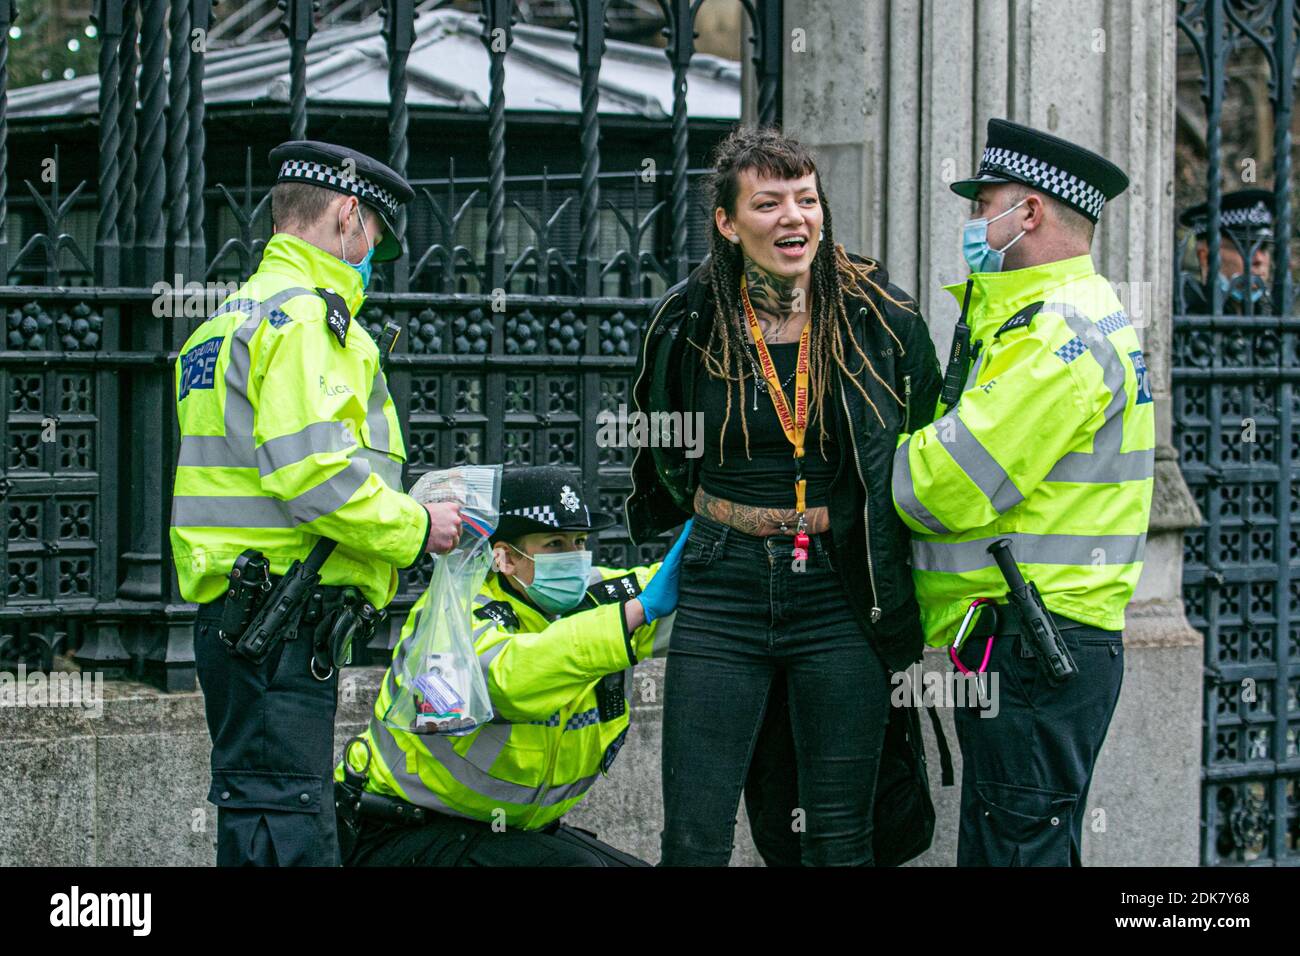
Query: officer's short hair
299	205
1073	220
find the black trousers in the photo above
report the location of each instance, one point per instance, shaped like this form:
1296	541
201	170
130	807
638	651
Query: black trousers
754	638
272	728
1027	770
451	841
772	786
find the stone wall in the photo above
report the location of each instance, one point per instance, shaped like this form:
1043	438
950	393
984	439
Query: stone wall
129	787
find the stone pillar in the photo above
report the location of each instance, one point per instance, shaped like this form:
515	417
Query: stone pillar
894	97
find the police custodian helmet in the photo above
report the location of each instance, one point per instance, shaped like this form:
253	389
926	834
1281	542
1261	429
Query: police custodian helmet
1246	214
1076	176
351	173
544	498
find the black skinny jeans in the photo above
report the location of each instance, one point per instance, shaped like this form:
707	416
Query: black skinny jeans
746	620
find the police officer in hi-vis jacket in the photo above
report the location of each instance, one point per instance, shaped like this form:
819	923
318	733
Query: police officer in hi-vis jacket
556	639
291	451
1050	446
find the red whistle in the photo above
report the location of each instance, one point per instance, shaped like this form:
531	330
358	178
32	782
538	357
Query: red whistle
801	542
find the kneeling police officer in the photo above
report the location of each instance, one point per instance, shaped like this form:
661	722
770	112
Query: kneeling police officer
556	639
288	517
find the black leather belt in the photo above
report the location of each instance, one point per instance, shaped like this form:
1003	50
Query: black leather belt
1009	623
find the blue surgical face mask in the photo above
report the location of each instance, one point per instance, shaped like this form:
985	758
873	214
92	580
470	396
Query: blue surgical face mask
980	256
1234	288
363	267
559	580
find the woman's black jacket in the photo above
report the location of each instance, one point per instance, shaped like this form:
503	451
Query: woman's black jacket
871	543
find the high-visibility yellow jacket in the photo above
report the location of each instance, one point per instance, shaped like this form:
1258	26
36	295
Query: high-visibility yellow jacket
288	434
1052	446
560	690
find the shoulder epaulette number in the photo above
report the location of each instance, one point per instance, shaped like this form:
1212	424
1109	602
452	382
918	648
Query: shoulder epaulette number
337	316
1020	319
500	613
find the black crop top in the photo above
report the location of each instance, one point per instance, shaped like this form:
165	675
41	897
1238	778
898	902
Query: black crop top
766	478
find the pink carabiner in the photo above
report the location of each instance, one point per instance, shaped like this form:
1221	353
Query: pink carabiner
966	622
988	652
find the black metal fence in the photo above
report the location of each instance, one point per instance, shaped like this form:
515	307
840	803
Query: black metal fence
89	429
1236	370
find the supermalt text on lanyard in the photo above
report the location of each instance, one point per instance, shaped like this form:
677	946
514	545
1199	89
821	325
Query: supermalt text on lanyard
793	424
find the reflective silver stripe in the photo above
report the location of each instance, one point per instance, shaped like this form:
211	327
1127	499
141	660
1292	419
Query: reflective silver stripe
239	410
390	681
376	420
399	656
228	511
488	744
1079	550
253	511
467	773
389	471
473	777
412	786
979	466
235	448
318	437
905	493
568	791
487	657
206	451
1106	463
331	494
974	373
663	635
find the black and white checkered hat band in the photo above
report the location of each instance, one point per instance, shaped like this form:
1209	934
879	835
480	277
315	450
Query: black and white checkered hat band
543	513
336	178
1064	186
1256	215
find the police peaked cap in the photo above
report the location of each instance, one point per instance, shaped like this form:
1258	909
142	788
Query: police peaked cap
1076	176
1246	212
544	498
351	173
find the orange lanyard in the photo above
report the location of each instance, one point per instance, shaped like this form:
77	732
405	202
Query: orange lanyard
794	425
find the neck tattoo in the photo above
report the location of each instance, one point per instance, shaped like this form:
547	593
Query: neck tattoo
773	300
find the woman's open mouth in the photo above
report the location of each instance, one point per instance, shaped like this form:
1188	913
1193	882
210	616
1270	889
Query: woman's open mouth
792	246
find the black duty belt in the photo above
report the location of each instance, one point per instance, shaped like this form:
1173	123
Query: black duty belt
385	809
1009	623
323	596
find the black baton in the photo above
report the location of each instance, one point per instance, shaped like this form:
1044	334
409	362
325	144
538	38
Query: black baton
1036	623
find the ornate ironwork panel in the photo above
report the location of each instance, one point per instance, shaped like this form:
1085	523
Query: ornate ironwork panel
1236	394
522	297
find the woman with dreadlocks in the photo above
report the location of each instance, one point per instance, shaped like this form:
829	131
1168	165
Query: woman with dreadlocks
802	365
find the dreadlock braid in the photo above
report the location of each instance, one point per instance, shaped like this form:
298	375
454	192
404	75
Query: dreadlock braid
834	277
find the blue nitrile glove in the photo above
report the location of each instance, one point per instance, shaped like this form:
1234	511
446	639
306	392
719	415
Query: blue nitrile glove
660	596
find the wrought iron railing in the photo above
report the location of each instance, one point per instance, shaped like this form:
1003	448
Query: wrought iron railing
89	427
1236	384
